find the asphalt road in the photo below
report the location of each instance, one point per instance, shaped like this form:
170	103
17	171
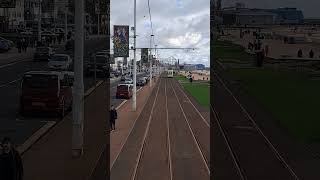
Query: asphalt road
14	126
170	139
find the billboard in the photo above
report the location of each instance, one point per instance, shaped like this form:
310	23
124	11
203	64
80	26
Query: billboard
144	55
7	3
120	41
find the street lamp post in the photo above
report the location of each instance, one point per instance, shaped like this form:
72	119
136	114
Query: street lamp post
134	97
150	62
78	94
39	21
66	21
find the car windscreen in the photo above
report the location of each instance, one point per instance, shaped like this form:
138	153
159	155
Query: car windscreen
40	81
59	58
122	88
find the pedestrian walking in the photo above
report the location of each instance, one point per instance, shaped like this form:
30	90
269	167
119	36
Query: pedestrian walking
266	48
13	167
25	45
299	53
113	117
311	54
2	165
19	45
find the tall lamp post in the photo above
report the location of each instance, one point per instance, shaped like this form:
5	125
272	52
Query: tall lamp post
134	97
150	61
39	21
78	94
66	21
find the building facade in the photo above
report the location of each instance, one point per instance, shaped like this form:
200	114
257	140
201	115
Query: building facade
245	16
12	18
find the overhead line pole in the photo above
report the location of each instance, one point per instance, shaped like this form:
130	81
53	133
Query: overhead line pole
134	97
78	94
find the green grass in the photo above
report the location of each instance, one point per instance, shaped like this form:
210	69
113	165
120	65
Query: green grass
291	97
200	91
226	51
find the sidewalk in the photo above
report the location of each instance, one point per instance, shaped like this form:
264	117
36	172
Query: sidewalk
50	158
125	122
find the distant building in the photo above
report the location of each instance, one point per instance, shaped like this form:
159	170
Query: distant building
192	67
12	18
246	16
200	66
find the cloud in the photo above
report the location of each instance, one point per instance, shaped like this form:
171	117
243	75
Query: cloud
178	23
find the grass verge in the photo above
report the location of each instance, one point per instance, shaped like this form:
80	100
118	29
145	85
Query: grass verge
293	98
199	90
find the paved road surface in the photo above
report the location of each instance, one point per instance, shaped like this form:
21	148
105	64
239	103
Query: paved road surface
170	138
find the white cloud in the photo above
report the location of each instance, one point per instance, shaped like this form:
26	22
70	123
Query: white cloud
176	23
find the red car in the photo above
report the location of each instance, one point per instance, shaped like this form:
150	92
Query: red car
124	91
46	91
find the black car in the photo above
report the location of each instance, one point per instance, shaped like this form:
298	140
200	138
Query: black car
43	53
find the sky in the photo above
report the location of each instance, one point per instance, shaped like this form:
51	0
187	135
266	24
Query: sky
176	24
310	8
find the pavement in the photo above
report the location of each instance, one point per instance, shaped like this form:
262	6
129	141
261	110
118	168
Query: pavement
170	137
249	141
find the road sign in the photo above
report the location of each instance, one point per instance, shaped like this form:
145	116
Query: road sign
121	41
7	3
144	55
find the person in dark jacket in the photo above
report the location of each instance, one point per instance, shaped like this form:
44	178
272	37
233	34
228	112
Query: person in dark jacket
113	117
2	165
13	167
300	53
19	45
311	54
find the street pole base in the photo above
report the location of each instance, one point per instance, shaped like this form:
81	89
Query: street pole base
76	153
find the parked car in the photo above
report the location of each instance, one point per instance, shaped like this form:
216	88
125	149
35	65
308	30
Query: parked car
9	43
141	82
43	53
128	81
98	63
123	78
46	91
4	46
124	91
60	62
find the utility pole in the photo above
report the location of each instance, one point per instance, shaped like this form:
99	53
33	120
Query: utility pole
134	97
66	21
39	21
78	94
150	61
